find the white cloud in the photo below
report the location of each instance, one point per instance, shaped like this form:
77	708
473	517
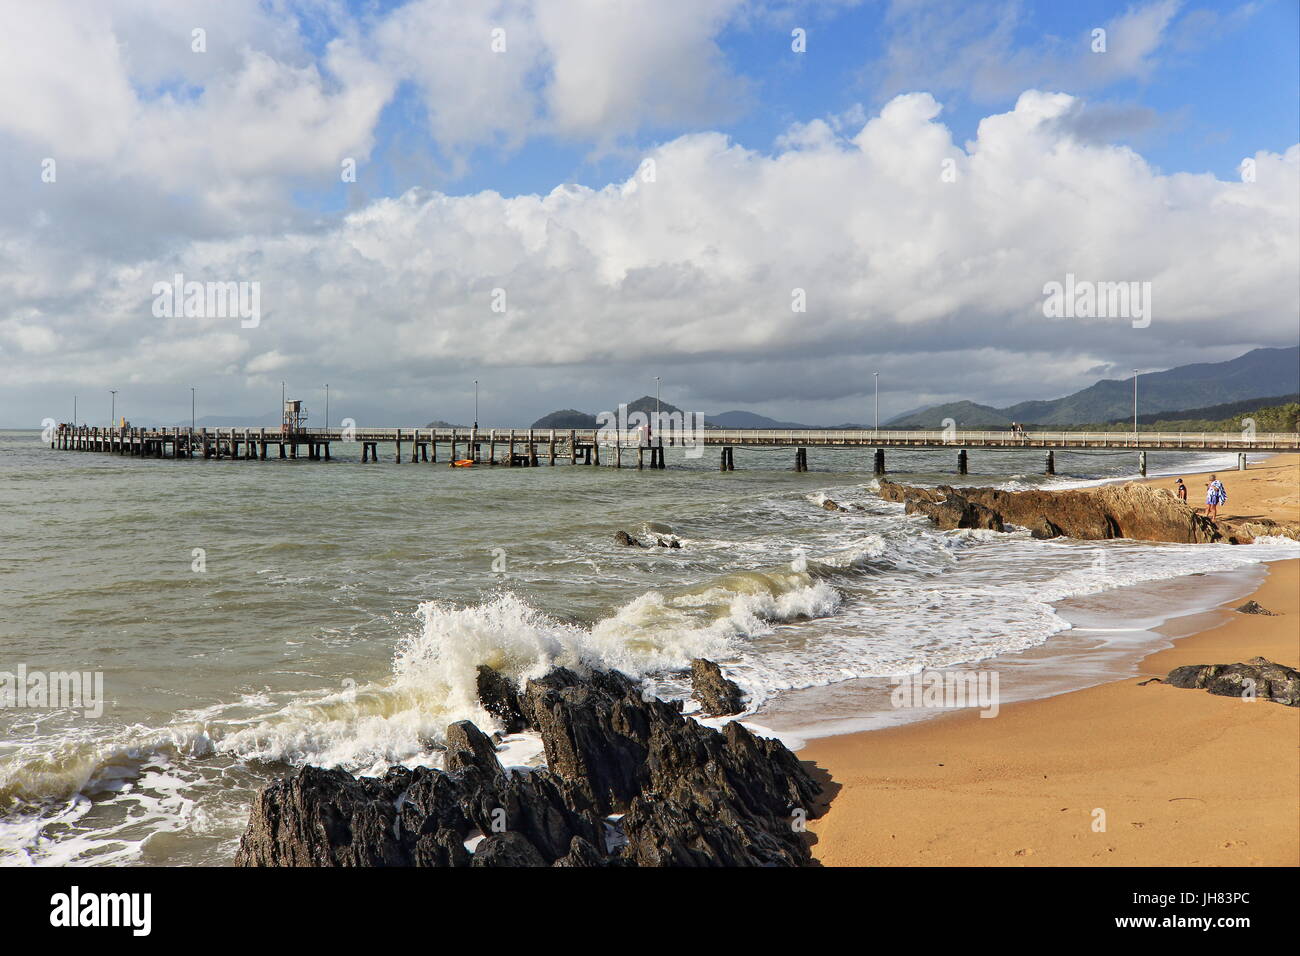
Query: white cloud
696	269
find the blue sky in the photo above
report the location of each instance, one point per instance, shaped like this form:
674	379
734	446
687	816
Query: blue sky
1226	85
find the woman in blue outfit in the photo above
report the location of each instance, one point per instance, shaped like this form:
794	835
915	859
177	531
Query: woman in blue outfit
1215	495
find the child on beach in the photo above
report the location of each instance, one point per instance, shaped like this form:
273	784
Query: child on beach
1215	495
1181	491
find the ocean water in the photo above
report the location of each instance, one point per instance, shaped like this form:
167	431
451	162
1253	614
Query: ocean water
251	617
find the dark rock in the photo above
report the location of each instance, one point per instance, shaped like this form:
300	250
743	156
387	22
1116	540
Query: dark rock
507	849
581	853
1259	677
321	818
718	696
500	698
831	506
1254	607
690	795
441	848
625	539
468	748
593	732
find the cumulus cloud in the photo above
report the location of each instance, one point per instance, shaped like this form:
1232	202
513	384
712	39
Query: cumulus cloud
695	268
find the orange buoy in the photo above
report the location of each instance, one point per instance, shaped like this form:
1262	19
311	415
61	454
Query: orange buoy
463	463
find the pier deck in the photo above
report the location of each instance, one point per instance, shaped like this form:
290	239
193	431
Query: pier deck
532	446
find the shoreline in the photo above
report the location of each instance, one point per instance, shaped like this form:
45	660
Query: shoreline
1020	789
1100	643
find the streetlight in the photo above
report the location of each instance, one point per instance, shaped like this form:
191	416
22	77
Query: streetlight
112	405
475	404
192	422
658	416
876	378
327	406
1135	406
74	410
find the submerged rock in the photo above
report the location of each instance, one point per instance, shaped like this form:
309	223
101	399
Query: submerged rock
625	539
718	696
1258	677
690	796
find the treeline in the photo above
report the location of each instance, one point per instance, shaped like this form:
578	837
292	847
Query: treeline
1275	418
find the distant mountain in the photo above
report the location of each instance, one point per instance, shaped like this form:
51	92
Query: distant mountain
742	419
566	418
572	418
1258	374
647	404
965	414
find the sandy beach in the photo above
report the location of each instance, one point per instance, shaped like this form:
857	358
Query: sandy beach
1118	774
1267	489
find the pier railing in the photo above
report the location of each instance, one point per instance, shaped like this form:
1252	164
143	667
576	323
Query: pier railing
1227	441
1046	439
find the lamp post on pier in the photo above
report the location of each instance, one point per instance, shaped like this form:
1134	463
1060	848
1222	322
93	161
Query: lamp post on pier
1135	406
658	417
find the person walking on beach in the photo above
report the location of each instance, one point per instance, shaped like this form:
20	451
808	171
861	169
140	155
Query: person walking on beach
1181	491
1215	495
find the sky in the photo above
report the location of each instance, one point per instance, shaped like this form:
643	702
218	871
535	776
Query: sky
759	202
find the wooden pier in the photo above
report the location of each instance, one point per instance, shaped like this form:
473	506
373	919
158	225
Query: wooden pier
511	447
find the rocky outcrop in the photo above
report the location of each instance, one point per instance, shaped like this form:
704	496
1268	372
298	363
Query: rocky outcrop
1112	511
500	698
830	505
956	511
717	695
1246	531
689	795
1258	677
625	539
1254	607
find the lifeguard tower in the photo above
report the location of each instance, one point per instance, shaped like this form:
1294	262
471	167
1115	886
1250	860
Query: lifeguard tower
294	421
